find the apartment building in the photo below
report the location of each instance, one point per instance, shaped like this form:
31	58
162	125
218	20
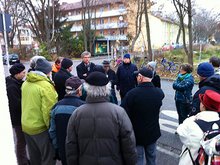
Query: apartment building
110	26
115	22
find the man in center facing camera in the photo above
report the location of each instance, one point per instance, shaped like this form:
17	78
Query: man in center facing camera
142	105
99	132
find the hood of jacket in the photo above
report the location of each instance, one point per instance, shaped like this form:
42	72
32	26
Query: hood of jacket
213	81
35	76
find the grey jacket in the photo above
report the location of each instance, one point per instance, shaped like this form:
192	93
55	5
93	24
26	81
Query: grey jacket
100	133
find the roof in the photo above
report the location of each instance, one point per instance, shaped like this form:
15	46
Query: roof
78	5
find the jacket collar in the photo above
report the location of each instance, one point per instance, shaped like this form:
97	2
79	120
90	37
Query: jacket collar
146	84
64	70
90	99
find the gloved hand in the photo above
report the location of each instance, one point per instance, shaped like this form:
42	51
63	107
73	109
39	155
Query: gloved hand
57	155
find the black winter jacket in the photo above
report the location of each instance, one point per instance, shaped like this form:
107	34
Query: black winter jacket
82	69
126	78
211	83
101	133
13	87
60	79
142	105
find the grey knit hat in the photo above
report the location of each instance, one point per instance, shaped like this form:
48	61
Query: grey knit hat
43	65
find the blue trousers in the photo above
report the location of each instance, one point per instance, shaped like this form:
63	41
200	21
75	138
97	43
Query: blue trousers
147	154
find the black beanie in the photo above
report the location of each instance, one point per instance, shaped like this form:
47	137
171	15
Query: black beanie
66	63
16	68
97	79
43	65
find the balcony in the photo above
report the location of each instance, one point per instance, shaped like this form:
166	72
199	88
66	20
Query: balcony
102	26
114	37
104	14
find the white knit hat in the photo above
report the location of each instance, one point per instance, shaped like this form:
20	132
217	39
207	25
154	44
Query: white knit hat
152	64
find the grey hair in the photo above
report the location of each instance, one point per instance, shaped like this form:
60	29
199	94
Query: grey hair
33	61
97	91
70	92
85	53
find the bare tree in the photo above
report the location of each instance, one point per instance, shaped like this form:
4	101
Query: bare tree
138	13
205	24
148	28
181	7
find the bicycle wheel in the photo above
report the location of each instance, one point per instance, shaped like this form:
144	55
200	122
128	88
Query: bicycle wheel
174	68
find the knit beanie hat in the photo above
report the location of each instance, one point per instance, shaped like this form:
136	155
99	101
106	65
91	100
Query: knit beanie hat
127	56
66	63
205	69
33	61
144	72
97	79
16	68
152	64
43	65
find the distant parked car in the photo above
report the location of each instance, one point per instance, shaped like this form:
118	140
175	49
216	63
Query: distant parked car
13	58
177	46
167	47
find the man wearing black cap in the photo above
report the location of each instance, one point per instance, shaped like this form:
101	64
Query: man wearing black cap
85	67
38	98
61	76
125	77
99	132
142	105
61	113
13	86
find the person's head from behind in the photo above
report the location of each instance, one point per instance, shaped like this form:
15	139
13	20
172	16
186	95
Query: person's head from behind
152	65
144	75
86	57
33	61
106	65
186	68
73	86
44	66
97	85
17	71
205	70
58	61
210	101
127	58
215	61
67	64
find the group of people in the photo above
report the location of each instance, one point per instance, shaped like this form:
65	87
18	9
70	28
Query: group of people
202	107
76	119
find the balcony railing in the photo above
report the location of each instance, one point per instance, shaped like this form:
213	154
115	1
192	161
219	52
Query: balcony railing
114	37
102	26
104	14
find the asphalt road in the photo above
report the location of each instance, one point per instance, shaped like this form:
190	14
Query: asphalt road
168	145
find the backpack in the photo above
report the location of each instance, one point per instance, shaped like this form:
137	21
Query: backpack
204	158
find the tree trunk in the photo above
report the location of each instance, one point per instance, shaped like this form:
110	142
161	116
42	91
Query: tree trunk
178	35
148	30
190	54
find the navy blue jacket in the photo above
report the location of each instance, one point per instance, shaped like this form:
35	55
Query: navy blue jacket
184	89
126	79
211	83
60	79
82	69
142	105
60	115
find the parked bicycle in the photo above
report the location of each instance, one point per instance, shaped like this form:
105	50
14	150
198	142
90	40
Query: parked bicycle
170	66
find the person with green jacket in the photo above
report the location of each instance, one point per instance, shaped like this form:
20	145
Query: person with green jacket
38	98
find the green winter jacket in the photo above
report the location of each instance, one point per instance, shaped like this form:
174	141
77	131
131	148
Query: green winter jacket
38	98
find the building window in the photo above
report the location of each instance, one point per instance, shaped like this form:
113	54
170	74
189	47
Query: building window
101	9
121	31
101	21
101	32
121	7
109	6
